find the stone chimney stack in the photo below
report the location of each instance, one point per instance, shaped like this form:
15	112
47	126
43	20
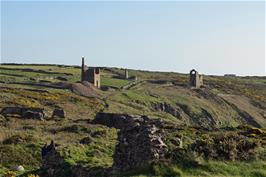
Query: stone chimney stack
126	74
82	69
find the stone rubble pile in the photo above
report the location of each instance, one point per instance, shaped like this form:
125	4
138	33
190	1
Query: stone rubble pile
140	144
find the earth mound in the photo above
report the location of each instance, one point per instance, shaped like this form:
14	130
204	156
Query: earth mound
84	89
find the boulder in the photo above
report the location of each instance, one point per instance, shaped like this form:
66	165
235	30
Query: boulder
58	112
18	168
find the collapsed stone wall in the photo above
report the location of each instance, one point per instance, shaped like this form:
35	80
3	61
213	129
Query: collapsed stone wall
139	146
140	140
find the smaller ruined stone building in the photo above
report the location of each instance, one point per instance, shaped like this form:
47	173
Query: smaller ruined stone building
126	74
90	74
195	79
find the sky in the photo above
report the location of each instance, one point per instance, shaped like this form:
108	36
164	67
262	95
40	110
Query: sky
212	37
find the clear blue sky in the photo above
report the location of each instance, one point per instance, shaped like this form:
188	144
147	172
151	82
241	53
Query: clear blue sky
212	37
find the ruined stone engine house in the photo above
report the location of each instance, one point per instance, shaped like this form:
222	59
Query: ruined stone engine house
195	79
90	74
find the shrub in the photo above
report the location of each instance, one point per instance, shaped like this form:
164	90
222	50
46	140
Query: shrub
17	139
10	174
258	173
19	154
226	147
32	175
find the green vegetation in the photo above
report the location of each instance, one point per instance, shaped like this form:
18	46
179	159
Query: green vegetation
96	152
206	168
223	103
114	82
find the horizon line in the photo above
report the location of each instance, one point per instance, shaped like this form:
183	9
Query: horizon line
137	69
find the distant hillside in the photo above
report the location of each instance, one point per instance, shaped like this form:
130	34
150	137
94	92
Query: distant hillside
222	103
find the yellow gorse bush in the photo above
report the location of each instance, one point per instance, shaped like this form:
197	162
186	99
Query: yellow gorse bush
10	174
32	175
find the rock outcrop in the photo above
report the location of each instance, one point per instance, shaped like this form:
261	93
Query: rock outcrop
165	107
30	113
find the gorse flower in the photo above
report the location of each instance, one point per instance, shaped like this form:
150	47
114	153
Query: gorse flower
10	174
32	175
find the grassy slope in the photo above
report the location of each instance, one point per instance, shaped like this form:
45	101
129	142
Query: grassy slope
138	99
207	169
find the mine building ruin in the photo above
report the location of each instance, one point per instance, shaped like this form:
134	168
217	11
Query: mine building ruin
195	79
126	74
90	74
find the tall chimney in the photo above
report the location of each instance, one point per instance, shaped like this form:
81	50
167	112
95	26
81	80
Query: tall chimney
82	69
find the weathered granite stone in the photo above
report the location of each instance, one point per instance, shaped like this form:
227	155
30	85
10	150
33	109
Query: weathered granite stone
58	112
31	113
140	140
139	146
